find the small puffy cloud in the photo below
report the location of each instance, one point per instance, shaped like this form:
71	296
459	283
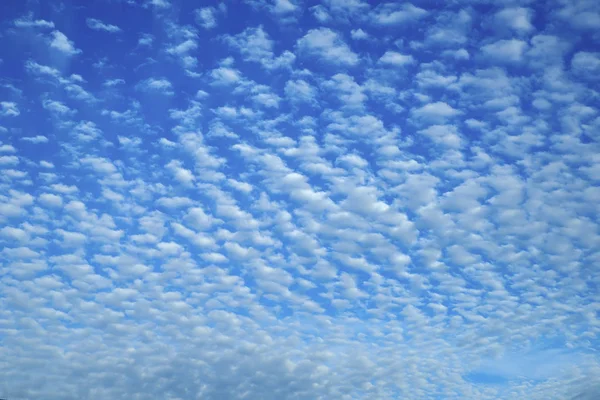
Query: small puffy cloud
97	25
174	202
7	148
50	200
146	40
446	135
35	139
113	82
181	175
325	44
346	10
255	45
62	43
582	15
351	94
547	50
9	160
28	22
300	91
225	76
586	65
505	51
167	143
206	17
9	109
460	54
159	4
283	7
269	100
198	219
16	234
320	13
437	111
396	59
58	108
156	85
359	34
516	18
183	48
451	29
99	164
389	14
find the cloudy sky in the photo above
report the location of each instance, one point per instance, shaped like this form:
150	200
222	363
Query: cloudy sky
292	199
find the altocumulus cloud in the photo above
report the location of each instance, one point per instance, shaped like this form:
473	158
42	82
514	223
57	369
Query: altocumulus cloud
345	200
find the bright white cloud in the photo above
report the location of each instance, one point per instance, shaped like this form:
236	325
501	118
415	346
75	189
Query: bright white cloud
157	85
97	25
389	14
61	43
327	45
586	64
35	139
435	111
516	18
9	109
206	17
27	21
396	59
505	51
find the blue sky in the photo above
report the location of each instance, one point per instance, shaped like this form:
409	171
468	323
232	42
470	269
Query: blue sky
296	199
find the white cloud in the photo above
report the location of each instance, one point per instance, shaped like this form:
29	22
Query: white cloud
586	65
255	45
282	7
9	109
582	15
225	76
146	40
9	160
196	218
325	44
320	13
159	4
435	111
350	93
57	107
446	135
388	14
7	148
97	25
50	200
183	48
206	17
114	82
61	43
37	139
359	34
396	59
182	175
27	21
515	18
505	51
156	85
300	91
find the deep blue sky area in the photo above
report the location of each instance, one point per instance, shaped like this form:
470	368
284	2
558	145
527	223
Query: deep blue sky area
299	200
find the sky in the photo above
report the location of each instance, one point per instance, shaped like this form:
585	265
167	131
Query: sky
299	200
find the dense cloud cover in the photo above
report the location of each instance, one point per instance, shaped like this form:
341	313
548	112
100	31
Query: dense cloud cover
288	199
